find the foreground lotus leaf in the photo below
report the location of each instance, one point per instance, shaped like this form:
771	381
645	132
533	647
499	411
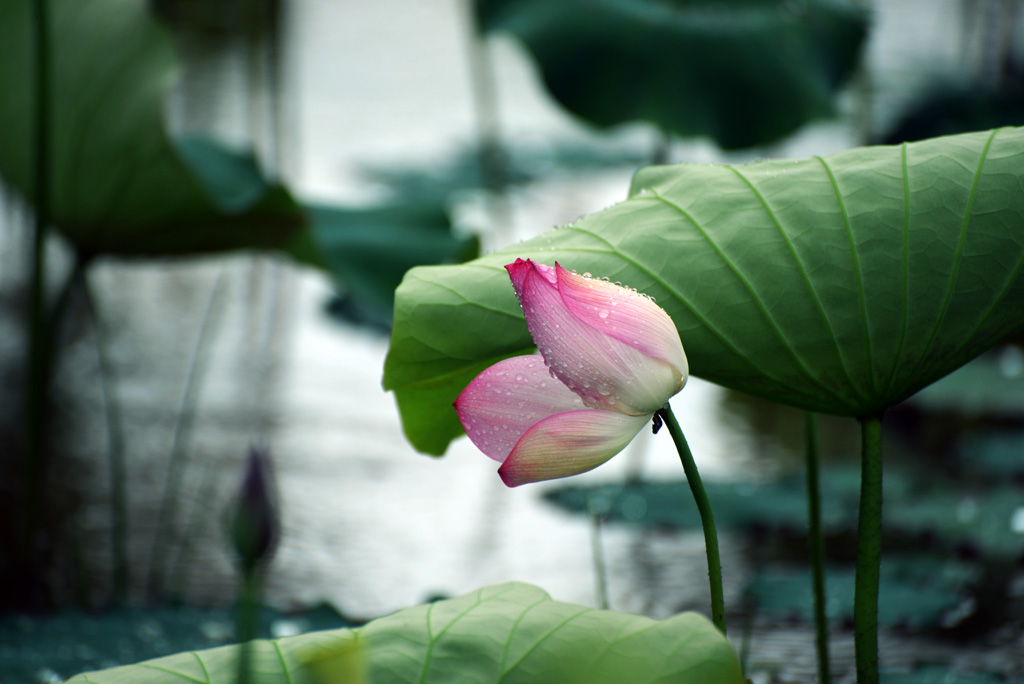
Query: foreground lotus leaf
510	633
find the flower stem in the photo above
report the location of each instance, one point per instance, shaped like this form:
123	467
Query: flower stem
247	620
707	517
817	546
869	552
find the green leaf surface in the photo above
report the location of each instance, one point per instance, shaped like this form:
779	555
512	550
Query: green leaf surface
841	284
742	72
120	185
510	633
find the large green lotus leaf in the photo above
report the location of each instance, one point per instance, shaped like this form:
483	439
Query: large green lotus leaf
840	284
744	72
119	184
509	633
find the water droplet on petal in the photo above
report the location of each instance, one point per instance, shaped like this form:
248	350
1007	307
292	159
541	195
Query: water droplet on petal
603	313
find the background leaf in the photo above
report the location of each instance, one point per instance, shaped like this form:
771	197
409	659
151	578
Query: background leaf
743	73
119	184
369	250
916	592
840	284
510	633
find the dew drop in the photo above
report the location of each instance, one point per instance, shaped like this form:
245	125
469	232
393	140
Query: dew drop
603	313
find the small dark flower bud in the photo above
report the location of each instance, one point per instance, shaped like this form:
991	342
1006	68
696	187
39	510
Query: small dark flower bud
253	519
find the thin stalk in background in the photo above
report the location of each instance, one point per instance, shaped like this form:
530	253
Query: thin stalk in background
598	509
869	552
494	164
38	352
115	451
707	517
817	546
182	432
201	514
662	147
247	621
72	283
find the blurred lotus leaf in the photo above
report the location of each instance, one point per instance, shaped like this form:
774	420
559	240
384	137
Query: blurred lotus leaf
511	633
368	250
119	183
742	73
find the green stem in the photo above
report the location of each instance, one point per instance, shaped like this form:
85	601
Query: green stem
115	451
494	161
817	546
247	621
600	570
869	552
707	517
168	513
662	148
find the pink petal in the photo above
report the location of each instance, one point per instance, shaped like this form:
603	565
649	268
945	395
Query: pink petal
624	314
505	400
606	371
569	443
